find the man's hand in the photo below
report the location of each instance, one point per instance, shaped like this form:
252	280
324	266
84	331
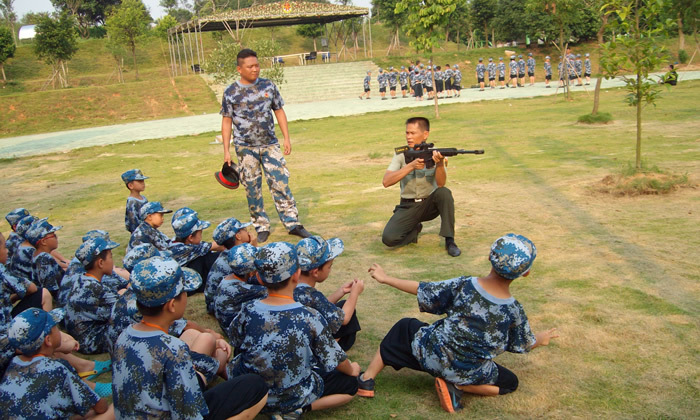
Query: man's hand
417	164
438	158
227	157
377	273
287	147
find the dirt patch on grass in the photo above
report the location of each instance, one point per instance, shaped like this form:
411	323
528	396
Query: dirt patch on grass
642	184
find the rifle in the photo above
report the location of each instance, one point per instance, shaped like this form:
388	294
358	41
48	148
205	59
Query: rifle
425	151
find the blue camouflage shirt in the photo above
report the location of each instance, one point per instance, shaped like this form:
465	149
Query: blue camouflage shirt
530	65
447	74
365	83
457	76
477	328
513	67
147	234
184	253
311	297
403	78
393	78
217	272
131	216
480	70
46	272
12	243
501	69
251	107
9	285
75	269
491	68
428	82
587	65
382	80
87	313
153	377
283	344
578	64
21	262
44	388
521	66
230	297
547	68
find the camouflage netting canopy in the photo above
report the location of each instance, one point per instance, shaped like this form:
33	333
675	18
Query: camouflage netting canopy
284	13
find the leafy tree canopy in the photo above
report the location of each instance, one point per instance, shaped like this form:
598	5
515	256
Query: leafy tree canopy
56	39
7	44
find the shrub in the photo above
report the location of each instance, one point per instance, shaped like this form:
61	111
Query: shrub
599	118
682	56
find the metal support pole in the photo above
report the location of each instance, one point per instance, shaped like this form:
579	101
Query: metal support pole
196	43
179	57
371	51
173	71
184	52
201	41
189	40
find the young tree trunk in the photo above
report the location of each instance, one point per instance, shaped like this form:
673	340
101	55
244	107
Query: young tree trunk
486	35
435	98
599	81
315	49
681	35
638	160
2	69
133	56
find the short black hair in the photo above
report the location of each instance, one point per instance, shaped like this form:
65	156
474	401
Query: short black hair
101	256
229	243
149	310
245	53
423	123
277	286
671	65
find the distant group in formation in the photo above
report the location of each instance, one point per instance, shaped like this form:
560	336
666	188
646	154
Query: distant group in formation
417	81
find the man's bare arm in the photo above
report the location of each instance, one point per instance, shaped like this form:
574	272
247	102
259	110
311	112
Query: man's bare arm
226	126
392	177
282	122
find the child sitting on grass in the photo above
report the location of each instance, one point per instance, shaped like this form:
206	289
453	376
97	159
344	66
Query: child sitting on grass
147	232
14	240
316	256
167	385
135	182
45	270
288	344
229	233
483	320
35	385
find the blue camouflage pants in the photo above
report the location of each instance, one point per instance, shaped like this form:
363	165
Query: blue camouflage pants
252	161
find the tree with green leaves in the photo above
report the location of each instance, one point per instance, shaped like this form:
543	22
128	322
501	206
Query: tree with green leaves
56	42
423	22
385	12
8	13
483	13
222	62
128	25
7	49
86	12
311	30
637	49
509	22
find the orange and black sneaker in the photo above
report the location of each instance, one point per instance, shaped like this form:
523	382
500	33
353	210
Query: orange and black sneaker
365	387
449	395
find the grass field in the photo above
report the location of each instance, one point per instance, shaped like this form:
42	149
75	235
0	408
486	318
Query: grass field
618	276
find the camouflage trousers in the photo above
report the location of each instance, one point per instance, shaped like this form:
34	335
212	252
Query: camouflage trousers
252	161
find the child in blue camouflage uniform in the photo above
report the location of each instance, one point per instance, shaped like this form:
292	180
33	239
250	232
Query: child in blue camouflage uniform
501	72
578	66
147	232
531	68
35	385
587	68
482	321
14	240
288	344
457	81
382	81
234	289
135	182
480	70
521	71
439	82
188	249
228	233
21	261
90	302
403	81
393	77
513	72
447	77
417	85
547	71
491	69
428	83
365	85
45	270
167	385
316	257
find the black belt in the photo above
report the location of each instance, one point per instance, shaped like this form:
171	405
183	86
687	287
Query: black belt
412	200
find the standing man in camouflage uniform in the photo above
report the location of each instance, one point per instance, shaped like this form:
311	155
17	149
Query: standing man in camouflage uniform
247	107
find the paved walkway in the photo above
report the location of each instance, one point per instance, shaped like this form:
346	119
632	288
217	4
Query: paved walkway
61	141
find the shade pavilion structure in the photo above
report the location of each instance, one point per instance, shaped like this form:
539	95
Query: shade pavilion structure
185	40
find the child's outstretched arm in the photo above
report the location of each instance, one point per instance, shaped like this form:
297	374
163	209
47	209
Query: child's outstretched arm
408	286
542	338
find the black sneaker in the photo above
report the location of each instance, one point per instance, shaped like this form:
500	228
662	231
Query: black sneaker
453	249
365	388
300	231
449	395
263	235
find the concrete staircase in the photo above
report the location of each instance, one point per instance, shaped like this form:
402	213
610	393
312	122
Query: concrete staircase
318	82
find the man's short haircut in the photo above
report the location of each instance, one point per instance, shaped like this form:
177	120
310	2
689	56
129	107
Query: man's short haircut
101	256
245	53
277	286
423	123
149	310
229	243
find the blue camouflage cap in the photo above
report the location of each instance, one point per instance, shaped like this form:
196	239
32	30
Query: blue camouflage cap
133	175
152	207
512	255
512	57
403	68
228	229
39	229
241	259
90	249
28	329
529	54
315	251
157	280
16	215
96	233
430	67
587	55
500	58
23	225
481	59
380	70
547	57
490	59
185	222
578	55
520	56
142	252
276	262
